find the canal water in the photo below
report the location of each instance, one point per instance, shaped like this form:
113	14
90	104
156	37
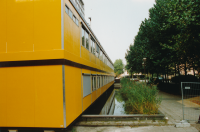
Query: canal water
110	103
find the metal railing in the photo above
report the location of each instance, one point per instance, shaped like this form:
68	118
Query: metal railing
190	100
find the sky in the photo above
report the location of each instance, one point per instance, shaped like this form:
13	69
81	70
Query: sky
116	23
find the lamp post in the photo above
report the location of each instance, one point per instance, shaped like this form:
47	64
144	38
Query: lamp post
144	63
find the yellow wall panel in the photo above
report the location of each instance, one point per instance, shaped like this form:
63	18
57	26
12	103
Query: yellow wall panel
48	96
47	24
94	95
85	54
73	93
98	92
68	33
19	27
93	58
20	97
76	45
86	102
93	72
3	97
38	55
71	32
85	71
3	26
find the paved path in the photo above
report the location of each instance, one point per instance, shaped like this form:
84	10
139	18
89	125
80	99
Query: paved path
136	129
171	107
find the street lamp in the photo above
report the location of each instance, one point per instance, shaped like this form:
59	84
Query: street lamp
144	63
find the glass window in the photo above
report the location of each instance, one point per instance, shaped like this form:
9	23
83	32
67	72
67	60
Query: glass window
101	81
66	9
83	37
94	47
86	85
87	40
94	84
101	55
77	22
70	13
91	47
97	51
74	18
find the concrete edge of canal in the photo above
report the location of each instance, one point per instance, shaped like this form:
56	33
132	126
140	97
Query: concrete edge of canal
107	118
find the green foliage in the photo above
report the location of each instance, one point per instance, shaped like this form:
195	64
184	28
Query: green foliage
169	36
139	98
118	67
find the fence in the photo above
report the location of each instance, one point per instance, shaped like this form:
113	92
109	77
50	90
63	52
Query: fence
190	100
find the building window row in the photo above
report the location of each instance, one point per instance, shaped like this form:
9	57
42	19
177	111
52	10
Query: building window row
99	81
90	44
94	82
71	15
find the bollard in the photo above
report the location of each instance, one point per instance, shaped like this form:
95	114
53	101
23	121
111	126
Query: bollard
199	119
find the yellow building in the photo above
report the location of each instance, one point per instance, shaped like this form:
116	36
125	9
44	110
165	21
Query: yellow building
52	66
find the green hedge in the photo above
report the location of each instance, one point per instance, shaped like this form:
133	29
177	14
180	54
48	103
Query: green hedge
139	98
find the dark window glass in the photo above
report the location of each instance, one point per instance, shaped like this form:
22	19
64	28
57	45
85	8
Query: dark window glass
83	37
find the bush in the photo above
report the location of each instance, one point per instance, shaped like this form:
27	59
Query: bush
183	78
139	98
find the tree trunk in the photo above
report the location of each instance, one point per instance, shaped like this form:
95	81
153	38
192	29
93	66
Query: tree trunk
175	70
185	69
167	74
165	78
193	68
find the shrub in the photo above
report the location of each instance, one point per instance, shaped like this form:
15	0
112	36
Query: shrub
139	98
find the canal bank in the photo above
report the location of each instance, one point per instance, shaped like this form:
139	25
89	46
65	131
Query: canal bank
112	113
169	107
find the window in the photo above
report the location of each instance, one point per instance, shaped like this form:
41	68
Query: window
86	85
91	47
101	55
101	81
94	47
87	40
83	37
93	83
98	82
66	9
74	18
77	22
97	50
70	14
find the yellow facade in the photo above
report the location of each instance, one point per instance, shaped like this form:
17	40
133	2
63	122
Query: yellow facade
73	93
32	95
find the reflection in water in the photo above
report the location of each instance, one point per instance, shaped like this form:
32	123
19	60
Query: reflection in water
110	103
108	108
119	105
114	105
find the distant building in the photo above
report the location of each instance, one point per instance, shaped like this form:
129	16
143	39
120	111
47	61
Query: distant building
80	6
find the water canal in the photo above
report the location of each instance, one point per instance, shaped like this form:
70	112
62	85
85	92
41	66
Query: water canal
110	103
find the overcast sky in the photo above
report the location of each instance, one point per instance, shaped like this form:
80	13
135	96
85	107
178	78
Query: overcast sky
116	23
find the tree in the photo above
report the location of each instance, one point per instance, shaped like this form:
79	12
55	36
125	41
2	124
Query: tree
118	67
168	38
